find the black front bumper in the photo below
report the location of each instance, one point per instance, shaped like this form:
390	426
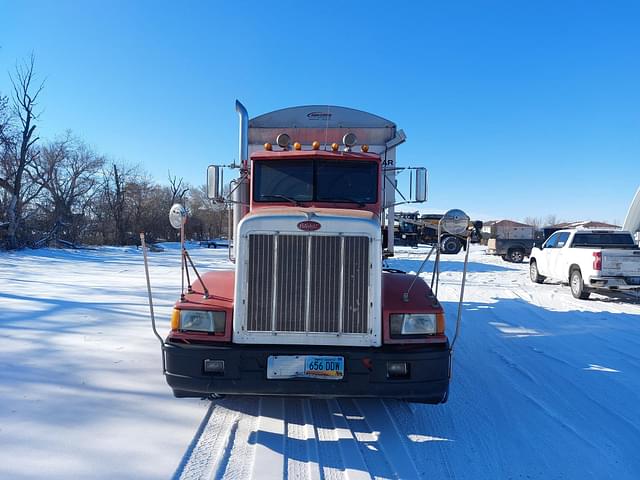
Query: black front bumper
365	371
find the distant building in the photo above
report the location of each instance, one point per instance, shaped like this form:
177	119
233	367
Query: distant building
507	229
584	224
548	231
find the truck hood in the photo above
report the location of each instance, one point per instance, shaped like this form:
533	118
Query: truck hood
309	212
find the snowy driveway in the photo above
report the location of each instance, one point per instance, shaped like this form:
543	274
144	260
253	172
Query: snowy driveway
544	386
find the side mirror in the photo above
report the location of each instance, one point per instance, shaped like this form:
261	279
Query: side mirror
421	184
214	182
455	222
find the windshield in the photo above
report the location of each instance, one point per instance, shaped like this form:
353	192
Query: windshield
620	240
322	180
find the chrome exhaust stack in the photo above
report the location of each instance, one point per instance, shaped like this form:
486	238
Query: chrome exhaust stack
240	187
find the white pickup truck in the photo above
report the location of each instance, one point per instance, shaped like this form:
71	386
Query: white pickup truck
588	260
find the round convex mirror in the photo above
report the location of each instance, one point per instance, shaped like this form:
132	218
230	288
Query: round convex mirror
455	222
177	215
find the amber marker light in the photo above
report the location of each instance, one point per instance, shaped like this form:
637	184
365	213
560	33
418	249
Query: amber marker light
365	148
297	146
440	323
315	145
335	146
175	319
268	147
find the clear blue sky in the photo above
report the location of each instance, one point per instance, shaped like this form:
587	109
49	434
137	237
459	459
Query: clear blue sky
516	107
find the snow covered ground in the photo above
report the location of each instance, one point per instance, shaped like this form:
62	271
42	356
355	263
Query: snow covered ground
544	386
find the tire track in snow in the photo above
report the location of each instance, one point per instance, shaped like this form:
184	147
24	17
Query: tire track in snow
301	453
269	439
355	466
239	463
301	439
329	457
209	445
393	442
368	439
226	454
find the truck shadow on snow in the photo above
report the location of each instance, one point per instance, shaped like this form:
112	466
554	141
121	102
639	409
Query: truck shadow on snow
535	393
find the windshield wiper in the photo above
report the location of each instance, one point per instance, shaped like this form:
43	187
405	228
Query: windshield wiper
283	197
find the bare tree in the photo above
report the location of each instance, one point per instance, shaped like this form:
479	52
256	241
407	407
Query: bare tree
67	170
114	189
536	222
119	193
178	189
208	219
23	151
5	122
551	220
5	150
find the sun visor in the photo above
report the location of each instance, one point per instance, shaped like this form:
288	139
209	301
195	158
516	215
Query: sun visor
324	123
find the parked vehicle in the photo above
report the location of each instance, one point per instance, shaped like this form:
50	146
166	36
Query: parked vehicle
512	250
449	244
510	239
309	309
413	228
407	229
214	243
588	260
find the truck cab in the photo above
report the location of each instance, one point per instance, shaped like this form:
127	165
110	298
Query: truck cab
309	309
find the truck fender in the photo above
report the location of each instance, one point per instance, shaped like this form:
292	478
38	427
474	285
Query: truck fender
572	267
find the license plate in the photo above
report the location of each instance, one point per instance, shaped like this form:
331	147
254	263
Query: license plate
305	366
324	367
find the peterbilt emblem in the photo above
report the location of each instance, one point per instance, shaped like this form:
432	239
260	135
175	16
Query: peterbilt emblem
309	226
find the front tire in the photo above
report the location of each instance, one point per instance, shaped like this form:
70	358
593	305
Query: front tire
576	283
533	273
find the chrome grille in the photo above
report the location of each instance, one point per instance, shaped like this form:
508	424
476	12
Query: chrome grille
356	285
291	268
261	280
308	283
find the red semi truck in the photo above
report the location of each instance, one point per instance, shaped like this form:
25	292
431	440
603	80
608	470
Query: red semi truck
309	309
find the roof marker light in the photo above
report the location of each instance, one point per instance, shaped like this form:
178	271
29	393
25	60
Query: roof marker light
267	147
283	140
315	145
349	139
297	146
364	148
335	146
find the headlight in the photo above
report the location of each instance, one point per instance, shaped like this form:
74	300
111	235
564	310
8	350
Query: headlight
413	324
201	321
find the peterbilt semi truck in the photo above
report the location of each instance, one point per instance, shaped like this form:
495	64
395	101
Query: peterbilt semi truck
309	309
